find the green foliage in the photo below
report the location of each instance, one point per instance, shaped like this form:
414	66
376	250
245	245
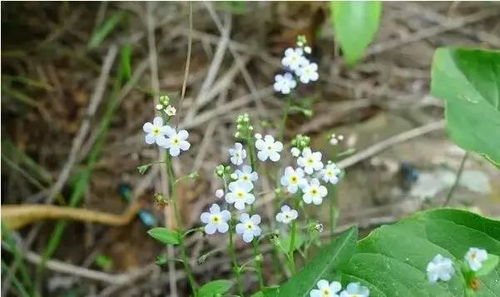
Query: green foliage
104	262
355	24
392	261
165	235
283	243
468	80
215	288
323	265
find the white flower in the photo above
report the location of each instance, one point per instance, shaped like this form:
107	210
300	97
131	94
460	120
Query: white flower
335	139
331	173
176	141
170	110
215	220
248	227
155	132
307	49
440	268
219	193
355	290
284	83
237	154
293	179
268	148
326	289
245	174
310	161
287	214
308	72
314	192
258	136
239	194
294	59
159	106
475	258
295	152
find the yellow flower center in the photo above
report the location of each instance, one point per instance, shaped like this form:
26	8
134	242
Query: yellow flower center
294	179
216	219
240	194
314	191
156	131
249	226
326	292
176	140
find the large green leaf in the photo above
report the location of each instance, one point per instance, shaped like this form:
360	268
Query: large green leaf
468	80
330	258
165	235
355	24
392	260
215	288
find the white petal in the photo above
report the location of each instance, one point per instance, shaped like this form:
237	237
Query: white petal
158	122
260	144
323	284
239	205
226	215
184	145
335	287
169	131
150	139
183	134
161	141
214	209
174	151
262	155
248	236
210	229
315	293
205	217
244	217
147	127
223	227
274	156
255	219
240	228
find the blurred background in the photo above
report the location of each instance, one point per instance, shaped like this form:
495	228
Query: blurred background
79	79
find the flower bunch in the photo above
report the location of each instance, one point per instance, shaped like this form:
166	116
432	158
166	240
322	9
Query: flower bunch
477	262
334	289
166	136
297	67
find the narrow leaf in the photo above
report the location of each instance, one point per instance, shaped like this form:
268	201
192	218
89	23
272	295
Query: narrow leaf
164	235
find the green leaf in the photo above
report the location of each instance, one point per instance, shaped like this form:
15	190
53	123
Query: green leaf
283	243
468	80
392	260
100	34
488	266
143	168
355	24
164	235
214	288
328	259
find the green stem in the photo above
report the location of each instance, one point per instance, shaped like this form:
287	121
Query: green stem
291	256
234	260
177	215
333	208
285	117
258	263
457	180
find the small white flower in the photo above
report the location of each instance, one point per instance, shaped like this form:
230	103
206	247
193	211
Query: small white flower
258	136
170	110
440	268
308	72
284	83
310	161
336	139
331	173
293	179
475	258
176	141
326	289
314	192
249	227
295	152
215	220
245	174
237	153
307	49
159	106
355	290
287	214
155	132
294	59
239	194
268	148
219	193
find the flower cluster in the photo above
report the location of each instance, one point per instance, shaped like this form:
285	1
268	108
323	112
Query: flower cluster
166	137
334	289
297	66
164	105
442	268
